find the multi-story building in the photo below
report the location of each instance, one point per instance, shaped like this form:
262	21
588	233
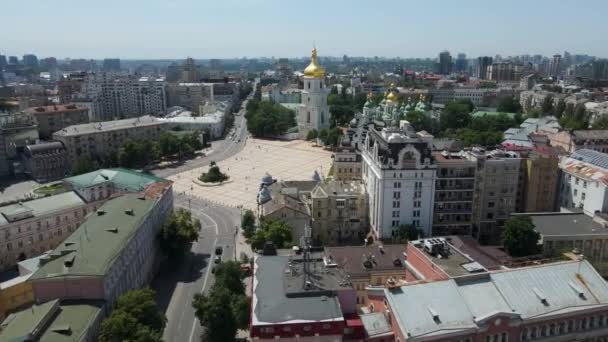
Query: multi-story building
541	180
312	300
482	66
496	191
505	72
399	174
479	96
347	162
30	60
571	141
454	188
111	64
556	66
189	95
115	96
54	118
564	301
583	183
95	140
313	113
30	228
339	212
45	161
113	251
444	67
16	131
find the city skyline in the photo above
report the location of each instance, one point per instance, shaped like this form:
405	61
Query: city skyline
169	29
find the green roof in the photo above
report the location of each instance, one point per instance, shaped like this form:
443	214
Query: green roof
41	206
92	248
484	113
125	178
52	322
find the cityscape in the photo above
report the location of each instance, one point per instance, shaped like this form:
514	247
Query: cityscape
318	195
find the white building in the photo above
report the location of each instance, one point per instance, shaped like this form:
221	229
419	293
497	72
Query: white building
212	119
584	181
399	174
313	112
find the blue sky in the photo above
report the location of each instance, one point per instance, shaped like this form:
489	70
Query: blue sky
285	28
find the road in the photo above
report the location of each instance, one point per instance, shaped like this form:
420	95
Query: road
178	283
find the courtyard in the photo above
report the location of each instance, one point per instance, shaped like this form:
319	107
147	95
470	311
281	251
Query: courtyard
283	160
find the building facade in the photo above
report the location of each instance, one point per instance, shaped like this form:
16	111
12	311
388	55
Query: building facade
54	118
541	180
347	162
583	183
313	113
570	141
45	162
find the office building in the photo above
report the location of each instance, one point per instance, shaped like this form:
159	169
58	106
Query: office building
583	183
51	119
189	95
556	66
190	73
482	66
454	189
399	173
444	67
496	191
339	212
114	250
313	112
564	301
599	69
111	64
13	60
461	64
3	62
98	139
45	161
30	61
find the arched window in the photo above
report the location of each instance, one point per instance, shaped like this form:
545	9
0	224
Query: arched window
308	118
308	84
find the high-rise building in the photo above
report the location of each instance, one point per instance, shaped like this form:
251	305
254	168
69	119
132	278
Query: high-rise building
190	72
461	63
13	60
482	66
111	64
505	72
48	63
556	66
399	173
445	63
3	61
30	60
314	111
599	69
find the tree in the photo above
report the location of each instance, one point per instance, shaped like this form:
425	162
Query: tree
560	108
407	232
215	313
601	122
179	232
332	138
136	317
240	309
228	275
82	165
323	133
276	231
312	134
214	175
248	224
419	121
267	119
519	237
507	104
547	105
455	115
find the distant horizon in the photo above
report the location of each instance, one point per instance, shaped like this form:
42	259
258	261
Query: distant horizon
227	29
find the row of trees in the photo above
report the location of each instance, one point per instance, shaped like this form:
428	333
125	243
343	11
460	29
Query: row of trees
135	318
276	231
329	137
226	308
139	153
266	119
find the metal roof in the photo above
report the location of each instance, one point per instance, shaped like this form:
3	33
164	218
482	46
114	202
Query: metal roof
43	206
592	157
121	177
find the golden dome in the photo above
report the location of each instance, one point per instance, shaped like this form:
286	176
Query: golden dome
370	96
314	69
391	94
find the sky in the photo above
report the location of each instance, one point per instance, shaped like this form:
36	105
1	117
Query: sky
171	29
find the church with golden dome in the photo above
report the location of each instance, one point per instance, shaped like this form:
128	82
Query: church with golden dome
390	110
313	113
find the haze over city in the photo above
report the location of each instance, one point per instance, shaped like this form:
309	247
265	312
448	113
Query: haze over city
138	29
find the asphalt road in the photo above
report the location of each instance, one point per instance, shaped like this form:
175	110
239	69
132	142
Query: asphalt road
178	283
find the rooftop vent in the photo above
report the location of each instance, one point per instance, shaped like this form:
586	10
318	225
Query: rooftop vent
540	295
100	212
69	262
130	211
62	329
112	230
577	289
434	314
397	262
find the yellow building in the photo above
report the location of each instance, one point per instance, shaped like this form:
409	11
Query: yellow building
15	294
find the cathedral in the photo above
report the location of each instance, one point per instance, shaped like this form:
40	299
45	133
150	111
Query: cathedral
313	113
390	110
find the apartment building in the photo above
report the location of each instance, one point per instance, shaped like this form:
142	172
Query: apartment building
16	131
189	95
541	178
571	141
347	162
113	251
583	183
497	181
339	212
454	189
54	118
46	161
399	173
98	139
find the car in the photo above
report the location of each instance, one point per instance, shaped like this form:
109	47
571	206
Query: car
218	259
219	250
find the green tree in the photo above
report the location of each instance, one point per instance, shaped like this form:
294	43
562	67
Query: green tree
312	134
248	224
179	232
213	175
519	237
323	133
276	231
547	105
507	104
419	121
82	165
407	232
136	317
215	313
332	138
266	119
241	310
560	108
228	275
455	115
601	122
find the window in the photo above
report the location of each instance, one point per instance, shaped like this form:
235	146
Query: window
582	196
9	247
395	213
396	194
575	192
490	204
307	328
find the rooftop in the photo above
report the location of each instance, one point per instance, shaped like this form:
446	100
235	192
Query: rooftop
91	249
591	134
50	322
451	260
120	177
56	108
466	303
107	126
39	207
587	164
592	157
567	224
338	188
361	260
284	293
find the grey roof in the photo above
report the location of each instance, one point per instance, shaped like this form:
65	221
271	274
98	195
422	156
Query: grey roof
106	126
592	157
278	296
42	206
591	134
565	224
460	304
375	323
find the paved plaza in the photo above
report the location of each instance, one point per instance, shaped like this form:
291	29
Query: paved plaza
283	160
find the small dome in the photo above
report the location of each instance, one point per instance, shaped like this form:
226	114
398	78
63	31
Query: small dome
264	195
314	69
267	179
391	95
